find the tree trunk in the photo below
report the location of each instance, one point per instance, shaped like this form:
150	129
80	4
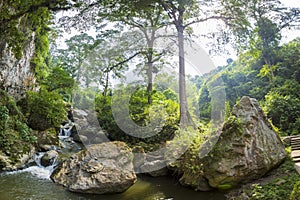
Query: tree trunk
106	84
150	44
150	80
184	119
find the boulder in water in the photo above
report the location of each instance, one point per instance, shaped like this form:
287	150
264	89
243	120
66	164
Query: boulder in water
49	158
100	169
247	147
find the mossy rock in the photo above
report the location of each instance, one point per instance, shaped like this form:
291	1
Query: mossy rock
224	186
7	101
16	139
47	137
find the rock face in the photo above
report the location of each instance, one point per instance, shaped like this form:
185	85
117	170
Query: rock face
16	75
247	147
151	163
15	162
100	169
87	128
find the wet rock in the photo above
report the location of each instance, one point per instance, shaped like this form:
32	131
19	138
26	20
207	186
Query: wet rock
155	168
154	164
247	147
198	182
139	157
49	158
46	147
80	138
17	75
16	161
46	139
100	169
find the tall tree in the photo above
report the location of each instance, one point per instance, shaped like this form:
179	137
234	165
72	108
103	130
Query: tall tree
257	26
73	58
109	59
184	13
148	20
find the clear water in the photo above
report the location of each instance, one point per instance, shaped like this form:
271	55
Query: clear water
31	185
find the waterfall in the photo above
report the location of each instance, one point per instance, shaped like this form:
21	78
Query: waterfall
38	170
65	130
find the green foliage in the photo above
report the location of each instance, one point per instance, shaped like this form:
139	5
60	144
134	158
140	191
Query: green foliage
4	115
15	136
60	81
282	106
232	126
19	19
25	132
45	109
295	195
183	152
39	21
227	110
72	59
141	113
84	98
276	189
243	78
289	67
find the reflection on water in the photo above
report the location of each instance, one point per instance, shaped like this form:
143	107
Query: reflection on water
24	185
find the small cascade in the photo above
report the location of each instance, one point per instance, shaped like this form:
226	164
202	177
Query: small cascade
65	130
38	170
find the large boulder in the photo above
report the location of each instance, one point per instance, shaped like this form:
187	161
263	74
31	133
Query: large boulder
247	147
100	169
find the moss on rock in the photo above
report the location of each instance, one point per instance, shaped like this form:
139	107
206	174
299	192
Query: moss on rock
16	138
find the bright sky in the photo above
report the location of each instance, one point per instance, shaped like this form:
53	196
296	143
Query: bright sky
200	61
220	60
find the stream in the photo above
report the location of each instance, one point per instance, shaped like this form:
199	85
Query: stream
34	184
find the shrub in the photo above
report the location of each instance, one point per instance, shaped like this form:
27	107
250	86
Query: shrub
45	110
15	136
282	106
295	195
141	113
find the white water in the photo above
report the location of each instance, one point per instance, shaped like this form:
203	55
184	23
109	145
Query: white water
65	131
38	171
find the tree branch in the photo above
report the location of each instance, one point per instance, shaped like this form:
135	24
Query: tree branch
206	19
124	61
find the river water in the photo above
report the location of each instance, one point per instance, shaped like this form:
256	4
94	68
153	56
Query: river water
34	184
